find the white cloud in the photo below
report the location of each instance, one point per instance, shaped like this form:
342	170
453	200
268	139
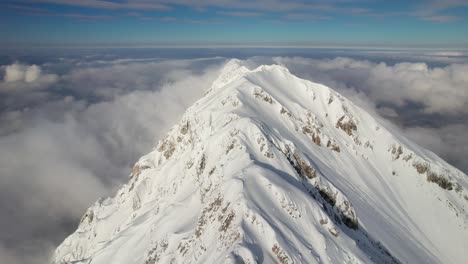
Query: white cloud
438	89
449	142
119	77
32	73
78	141
57	158
25	76
14	73
387	112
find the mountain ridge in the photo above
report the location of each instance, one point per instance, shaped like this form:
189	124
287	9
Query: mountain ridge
267	167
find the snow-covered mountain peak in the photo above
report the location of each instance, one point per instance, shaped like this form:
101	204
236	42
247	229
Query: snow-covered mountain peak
235	69
267	167
232	70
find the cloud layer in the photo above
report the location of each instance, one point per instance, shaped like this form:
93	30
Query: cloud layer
79	141
431	89
427	10
71	129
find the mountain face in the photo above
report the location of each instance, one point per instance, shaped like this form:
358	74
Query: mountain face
270	168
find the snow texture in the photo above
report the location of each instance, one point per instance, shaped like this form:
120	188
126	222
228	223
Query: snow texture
270	168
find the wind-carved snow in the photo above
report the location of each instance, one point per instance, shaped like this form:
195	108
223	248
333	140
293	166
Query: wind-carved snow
269	168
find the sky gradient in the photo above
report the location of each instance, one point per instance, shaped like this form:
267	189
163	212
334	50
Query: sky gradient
263	23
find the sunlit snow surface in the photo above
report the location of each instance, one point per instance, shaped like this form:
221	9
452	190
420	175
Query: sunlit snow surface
266	168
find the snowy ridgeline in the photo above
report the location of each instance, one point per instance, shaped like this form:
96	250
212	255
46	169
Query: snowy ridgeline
270	168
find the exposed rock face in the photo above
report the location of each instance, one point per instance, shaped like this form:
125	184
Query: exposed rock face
269	168
347	126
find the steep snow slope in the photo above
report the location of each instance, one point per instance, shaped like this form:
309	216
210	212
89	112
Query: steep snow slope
270	168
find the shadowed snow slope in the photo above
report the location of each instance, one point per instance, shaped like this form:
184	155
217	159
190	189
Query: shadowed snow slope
267	167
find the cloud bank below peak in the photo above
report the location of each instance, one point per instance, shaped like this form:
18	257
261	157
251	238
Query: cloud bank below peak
78	141
88	119
433	90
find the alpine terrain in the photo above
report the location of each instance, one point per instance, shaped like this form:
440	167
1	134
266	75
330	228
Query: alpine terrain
270	168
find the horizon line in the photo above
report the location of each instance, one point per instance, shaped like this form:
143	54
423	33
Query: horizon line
230	46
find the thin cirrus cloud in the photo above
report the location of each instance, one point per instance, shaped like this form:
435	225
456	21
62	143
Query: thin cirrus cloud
301	16
23	8
268	5
436	10
72	15
239	14
427	6
140	22
440	5
202	12
100	4
439	18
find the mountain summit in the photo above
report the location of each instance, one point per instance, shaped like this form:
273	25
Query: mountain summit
270	168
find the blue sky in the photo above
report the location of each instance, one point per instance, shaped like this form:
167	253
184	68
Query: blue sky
332	23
